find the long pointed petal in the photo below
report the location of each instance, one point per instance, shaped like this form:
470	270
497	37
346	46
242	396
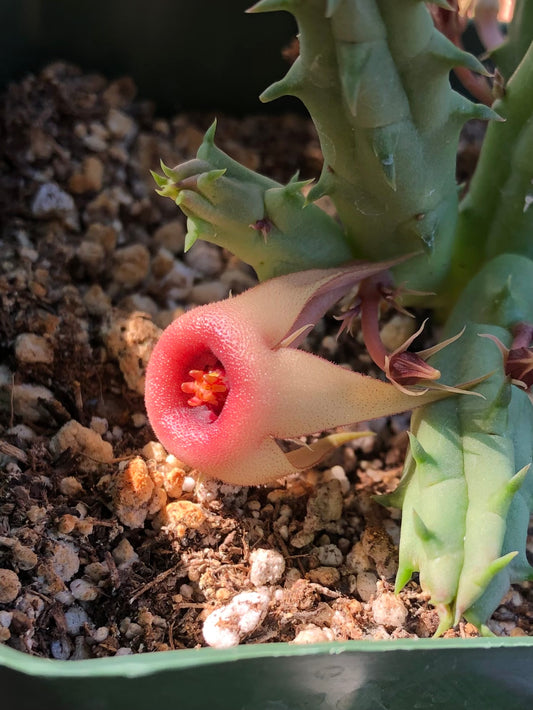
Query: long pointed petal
307	456
310	394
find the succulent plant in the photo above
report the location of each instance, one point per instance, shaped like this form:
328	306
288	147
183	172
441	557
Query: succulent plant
374	77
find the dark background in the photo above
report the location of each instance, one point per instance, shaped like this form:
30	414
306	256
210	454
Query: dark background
184	54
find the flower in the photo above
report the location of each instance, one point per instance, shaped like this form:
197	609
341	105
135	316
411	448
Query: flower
407	371
518	359
226	380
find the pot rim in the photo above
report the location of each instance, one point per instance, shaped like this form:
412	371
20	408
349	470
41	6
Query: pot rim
148	663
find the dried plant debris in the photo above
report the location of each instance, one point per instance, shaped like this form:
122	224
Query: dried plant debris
108	544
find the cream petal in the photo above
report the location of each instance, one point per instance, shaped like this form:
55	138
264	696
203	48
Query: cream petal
266	463
311	394
283	305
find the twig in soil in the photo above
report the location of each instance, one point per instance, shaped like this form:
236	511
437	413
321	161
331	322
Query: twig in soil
179	571
14	451
113	572
325	591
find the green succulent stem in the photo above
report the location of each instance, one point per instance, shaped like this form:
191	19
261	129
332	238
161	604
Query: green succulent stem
467	490
496	215
268	225
374	77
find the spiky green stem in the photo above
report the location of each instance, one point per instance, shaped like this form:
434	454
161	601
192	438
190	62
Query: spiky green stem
466	490
496	215
374	76
268	225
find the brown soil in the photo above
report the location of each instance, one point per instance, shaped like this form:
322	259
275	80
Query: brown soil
107	544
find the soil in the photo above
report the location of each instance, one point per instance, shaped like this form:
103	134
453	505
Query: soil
108	545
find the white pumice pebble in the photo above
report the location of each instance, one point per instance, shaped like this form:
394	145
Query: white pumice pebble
227	626
267	567
388	610
75	618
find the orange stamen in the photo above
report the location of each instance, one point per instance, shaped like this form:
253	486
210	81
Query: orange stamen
208	387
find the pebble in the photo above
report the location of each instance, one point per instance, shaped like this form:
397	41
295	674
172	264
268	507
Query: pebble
120	125
302	539
229	625
366	583
100	634
124	554
99	424
10	586
92	255
61	649
81	651
237	280
70	486
357	560
96	571
51	201
189	484
23	433
179	516
173	481
208	292
130	339
171	236
329	555
64	597
205	258
120	92
132	490
314	634
388	610
177	283
139	302
379	547
154	450
42	145
24	557
75	618
103	234
96	138
162	263
130	629
83	590
93	450
29	402
266	566
338	473
326	576
66	523
96	301
124	651
33	349
324	506
138	419
131	265
89	178
5	619
65	561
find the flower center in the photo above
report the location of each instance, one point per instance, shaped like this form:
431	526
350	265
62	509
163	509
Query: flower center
208	387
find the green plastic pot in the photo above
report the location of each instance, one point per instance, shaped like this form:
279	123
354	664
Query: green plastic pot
223	66
476	674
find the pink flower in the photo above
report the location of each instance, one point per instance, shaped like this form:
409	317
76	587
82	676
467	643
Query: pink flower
225	380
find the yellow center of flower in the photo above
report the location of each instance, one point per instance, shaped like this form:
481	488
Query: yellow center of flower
208	387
